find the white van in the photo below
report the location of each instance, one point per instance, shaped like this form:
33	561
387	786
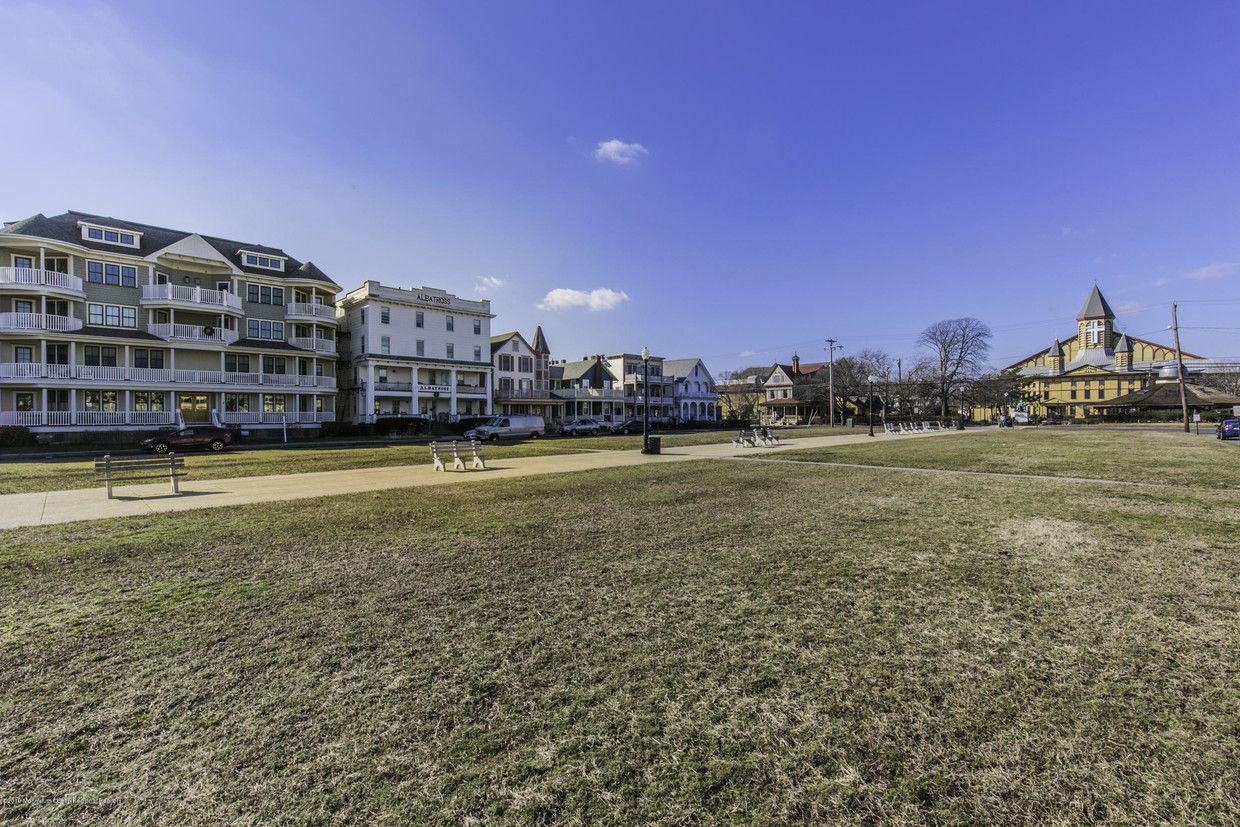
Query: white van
513	426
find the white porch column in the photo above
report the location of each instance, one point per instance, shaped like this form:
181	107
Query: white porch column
370	389
452	392
73	406
487	404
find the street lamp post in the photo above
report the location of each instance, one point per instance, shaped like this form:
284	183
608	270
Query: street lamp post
1006	408
870	405
646	401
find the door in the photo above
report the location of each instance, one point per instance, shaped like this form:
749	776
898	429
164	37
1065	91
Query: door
194	407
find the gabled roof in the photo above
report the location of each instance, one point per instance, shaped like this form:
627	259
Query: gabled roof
1124	345
1055	350
502	339
65	228
680	368
1096	307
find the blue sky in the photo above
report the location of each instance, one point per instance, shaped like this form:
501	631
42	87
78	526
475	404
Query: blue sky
734	181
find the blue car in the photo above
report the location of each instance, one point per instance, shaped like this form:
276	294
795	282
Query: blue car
1228	429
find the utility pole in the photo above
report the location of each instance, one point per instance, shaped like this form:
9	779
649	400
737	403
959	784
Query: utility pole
1179	362
831	348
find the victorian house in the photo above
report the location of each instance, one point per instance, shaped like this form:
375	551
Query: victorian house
523	376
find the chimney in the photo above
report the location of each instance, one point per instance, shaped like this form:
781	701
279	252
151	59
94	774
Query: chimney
796	363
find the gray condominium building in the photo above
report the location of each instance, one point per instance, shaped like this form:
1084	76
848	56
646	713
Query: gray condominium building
118	325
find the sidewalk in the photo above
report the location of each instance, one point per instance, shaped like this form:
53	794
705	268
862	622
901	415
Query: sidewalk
51	507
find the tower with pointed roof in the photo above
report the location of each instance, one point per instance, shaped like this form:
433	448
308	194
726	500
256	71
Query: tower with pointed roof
1078	376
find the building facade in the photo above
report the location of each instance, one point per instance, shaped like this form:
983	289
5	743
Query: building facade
523	376
587	388
118	325
413	353
1097	365
627	372
694	396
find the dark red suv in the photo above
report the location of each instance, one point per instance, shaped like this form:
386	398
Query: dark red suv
195	436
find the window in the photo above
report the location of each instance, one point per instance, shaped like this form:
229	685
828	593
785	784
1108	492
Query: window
525	364
273	365
97	356
58	400
23	355
236	363
99	272
57	354
505	361
451	322
143	358
383	376
262	260
23	401
1087	393
477	354
420	319
264	329
23	306
420	348
385	344
363	315
101	400
451	351
23	262
57	308
111	315
477	327
264	294
148	401
237	402
56	265
385	315
505	383
1072	393
124	238
515	345
273	403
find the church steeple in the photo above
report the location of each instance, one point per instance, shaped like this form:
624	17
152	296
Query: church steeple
1054	357
1095	324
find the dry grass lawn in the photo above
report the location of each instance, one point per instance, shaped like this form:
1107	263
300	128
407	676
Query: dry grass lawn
706	642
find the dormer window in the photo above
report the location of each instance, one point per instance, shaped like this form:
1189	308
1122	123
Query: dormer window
110	235
262	260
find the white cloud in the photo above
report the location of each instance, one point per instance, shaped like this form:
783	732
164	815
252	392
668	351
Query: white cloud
1217	270
488	283
618	152
563	298
745	354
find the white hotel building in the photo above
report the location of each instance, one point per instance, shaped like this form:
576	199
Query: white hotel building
114	325
413	353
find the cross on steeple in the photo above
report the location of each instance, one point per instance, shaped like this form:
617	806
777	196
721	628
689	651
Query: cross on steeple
1094	330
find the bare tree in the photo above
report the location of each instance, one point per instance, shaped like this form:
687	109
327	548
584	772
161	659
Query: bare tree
740	392
959	348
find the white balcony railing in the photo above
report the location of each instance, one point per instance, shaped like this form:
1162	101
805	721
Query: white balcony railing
26	277
193	333
311	343
159	376
39	321
589	393
275	417
194	296
96	418
319	312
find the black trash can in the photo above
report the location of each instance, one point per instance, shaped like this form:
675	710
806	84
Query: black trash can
655	443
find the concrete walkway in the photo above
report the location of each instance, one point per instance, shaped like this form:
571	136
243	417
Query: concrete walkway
51	507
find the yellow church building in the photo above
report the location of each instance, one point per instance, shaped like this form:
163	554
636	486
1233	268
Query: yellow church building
1070	378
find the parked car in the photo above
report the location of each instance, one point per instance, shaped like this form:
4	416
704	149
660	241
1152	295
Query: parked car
577	427
195	436
628	426
513	426
1228	429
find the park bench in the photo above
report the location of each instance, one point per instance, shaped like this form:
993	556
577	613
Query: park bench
890	428
439	456
125	469
745	440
